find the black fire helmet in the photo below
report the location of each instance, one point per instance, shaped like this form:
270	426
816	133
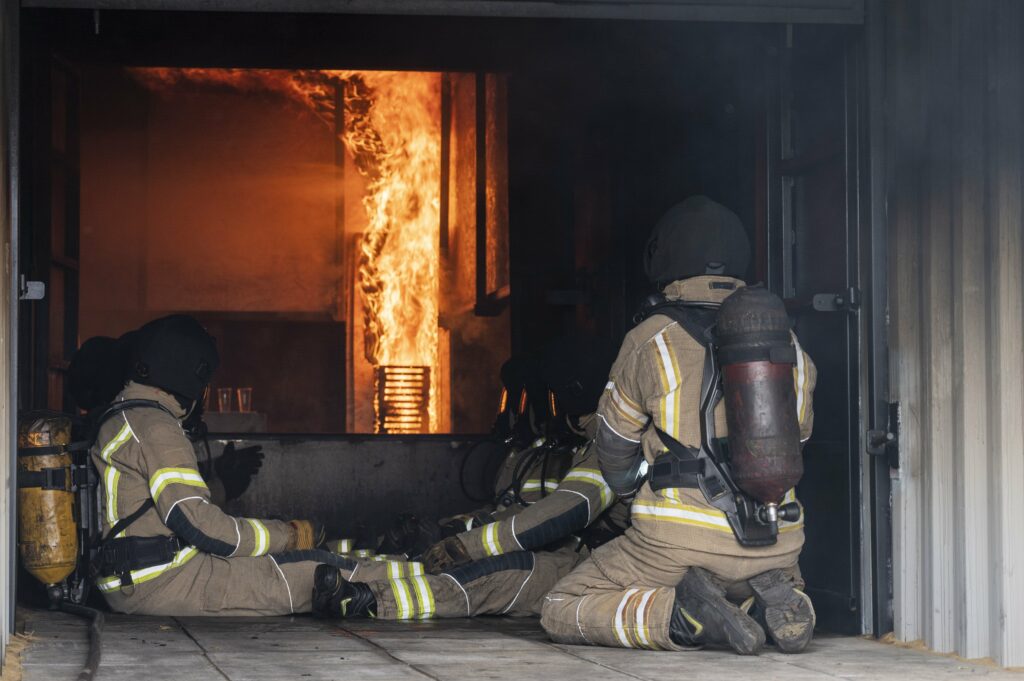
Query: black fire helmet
695	237
576	369
175	354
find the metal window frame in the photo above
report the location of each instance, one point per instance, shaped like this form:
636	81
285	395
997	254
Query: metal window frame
784	11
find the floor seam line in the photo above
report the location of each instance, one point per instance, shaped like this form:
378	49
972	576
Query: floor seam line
206	654
387	653
553	646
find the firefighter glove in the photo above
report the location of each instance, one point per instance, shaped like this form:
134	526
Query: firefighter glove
309	534
237	467
446	554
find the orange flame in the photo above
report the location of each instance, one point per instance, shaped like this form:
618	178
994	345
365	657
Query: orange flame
392	131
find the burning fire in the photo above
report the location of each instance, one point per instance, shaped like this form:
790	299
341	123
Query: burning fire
392	131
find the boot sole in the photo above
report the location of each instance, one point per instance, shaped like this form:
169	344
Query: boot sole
788	612
721	617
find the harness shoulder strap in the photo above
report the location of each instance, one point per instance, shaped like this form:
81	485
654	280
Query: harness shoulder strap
114	409
695	319
124	405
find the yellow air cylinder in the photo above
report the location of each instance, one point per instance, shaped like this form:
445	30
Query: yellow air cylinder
47	534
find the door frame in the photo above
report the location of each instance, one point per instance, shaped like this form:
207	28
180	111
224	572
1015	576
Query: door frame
772	11
867	247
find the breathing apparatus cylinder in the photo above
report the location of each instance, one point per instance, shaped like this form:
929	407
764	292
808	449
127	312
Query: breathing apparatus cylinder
757	358
47	532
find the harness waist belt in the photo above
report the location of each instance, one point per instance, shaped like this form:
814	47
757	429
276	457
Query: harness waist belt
672	470
120	556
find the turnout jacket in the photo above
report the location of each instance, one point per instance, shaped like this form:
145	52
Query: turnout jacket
562	499
656	381
143	453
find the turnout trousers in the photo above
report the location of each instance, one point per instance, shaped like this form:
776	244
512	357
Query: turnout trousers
623	595
201	584
508	584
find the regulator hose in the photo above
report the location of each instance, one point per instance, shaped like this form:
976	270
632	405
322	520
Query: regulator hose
483	474
92	661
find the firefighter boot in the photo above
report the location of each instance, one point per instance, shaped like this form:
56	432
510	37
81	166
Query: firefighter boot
334	596
786	612
703	616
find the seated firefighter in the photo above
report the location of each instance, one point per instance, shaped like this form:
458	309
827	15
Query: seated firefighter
663	584
524	412
166	549
98	372
555	489
508	564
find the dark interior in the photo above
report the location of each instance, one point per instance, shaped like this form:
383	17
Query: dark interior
609	124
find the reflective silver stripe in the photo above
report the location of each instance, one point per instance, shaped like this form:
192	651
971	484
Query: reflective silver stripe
592	477
146	574
641	620
683	514
174	476
262	537
122	436
620	626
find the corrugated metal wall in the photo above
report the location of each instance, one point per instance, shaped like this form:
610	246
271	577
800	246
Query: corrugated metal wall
955	114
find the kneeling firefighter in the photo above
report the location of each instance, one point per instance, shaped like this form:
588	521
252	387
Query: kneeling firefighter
166	550
713	521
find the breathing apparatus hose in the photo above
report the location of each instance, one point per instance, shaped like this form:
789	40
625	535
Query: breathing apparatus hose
92	661
462	472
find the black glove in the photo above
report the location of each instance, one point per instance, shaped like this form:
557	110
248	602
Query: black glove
447	554
237	467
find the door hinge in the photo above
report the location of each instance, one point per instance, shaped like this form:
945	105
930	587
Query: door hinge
847	301
887	442
30	290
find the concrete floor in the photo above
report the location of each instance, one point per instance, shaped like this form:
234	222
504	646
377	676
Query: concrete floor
302	648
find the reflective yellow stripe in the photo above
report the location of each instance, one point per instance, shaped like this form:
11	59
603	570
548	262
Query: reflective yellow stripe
424	597
799	380
112	583
670	384
620	627
683	514
698	628
341	546
174	476
627	408
403	599
534	485
111	477
415	568
641	621
262	537
489	537
122	436
592	476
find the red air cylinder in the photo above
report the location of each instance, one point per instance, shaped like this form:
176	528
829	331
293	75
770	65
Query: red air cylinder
757	356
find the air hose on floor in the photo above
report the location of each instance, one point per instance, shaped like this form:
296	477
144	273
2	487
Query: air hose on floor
92	661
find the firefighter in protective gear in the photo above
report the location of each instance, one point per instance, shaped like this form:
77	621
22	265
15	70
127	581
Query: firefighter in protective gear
671	582
167	550
519	428
518	558
558	499
553	499
99	370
